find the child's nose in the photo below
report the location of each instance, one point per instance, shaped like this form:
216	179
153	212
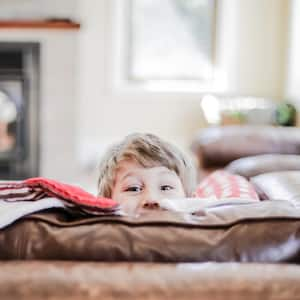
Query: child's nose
150	200
151	205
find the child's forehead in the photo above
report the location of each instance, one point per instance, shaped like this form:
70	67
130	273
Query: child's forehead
134	163
131	166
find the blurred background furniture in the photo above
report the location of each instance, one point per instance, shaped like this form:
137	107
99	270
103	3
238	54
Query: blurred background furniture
240	148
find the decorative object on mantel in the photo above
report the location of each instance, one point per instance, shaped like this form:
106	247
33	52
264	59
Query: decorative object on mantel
51	23
234	110
286	114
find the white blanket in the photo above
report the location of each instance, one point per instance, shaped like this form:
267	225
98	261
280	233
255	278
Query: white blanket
192	205
12	211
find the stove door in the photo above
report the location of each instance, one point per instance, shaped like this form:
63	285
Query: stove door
8	117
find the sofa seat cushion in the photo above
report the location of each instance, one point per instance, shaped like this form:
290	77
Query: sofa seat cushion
267	231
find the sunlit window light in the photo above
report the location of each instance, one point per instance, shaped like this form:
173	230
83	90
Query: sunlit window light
171	40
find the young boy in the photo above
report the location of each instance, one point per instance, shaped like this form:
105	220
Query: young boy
142	169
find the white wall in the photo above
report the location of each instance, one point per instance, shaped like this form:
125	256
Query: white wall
106	114
250	53
28	9
261	43
292	91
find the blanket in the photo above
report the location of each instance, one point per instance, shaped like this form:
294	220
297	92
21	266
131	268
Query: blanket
198	205
19	198
13	211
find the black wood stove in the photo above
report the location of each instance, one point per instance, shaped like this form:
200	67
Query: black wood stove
19	110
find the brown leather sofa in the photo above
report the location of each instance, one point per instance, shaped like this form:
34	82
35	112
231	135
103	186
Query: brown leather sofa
245	252
240	252
247	150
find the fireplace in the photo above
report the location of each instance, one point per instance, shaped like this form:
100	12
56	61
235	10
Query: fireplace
19	110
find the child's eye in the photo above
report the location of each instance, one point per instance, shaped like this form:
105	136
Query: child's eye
133	189
166	187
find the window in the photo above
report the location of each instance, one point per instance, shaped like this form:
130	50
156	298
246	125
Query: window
170	40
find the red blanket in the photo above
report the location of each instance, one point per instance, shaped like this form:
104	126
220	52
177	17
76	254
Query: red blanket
37	188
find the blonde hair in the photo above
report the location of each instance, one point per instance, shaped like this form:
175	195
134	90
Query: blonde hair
148	150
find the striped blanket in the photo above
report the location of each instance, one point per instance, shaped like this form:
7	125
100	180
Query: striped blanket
18	198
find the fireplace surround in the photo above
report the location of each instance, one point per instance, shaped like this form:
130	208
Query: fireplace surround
19	109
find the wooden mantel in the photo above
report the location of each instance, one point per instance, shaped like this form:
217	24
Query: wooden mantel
39	24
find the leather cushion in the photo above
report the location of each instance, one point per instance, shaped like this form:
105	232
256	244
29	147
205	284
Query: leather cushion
218	146
41	280
255	165
267	231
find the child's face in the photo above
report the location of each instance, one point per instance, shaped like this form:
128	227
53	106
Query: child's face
138	187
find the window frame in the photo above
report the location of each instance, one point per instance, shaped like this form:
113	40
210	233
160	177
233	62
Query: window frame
122	59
